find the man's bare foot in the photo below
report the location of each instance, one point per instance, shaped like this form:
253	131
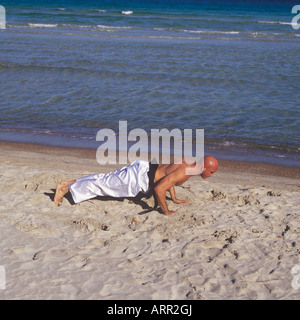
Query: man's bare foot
61	189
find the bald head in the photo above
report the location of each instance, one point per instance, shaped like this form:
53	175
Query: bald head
211	162
210	167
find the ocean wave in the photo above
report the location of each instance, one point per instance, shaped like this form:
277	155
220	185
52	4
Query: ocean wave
262	34
275	22
227	143
98	10
196	31
279	150
113	28
211	31
42	25
76	26
127	12
151	33
73	26
51	132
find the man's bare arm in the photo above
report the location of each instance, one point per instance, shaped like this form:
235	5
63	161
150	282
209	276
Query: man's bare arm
174	198
167	183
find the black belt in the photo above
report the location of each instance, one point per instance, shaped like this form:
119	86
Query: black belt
150	192
151	175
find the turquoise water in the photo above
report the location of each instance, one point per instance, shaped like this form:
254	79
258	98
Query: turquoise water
71	68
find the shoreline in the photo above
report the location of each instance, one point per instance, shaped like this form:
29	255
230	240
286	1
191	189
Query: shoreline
235	150
89	154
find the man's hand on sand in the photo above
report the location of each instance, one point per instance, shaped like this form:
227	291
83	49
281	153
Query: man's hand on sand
177	201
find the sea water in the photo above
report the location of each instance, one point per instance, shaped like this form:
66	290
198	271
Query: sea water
232	68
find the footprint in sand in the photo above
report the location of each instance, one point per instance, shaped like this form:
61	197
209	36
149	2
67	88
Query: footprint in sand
38	230
89	225
25	253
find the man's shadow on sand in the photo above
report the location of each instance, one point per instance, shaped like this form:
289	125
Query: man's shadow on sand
138	200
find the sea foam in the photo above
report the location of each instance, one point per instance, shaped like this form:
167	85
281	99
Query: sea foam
127	12
42	25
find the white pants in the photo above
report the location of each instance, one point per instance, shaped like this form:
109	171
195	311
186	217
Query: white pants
126	182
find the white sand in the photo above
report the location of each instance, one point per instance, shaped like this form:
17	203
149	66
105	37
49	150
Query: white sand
238	238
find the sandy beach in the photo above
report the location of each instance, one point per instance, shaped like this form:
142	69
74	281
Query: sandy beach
237	238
